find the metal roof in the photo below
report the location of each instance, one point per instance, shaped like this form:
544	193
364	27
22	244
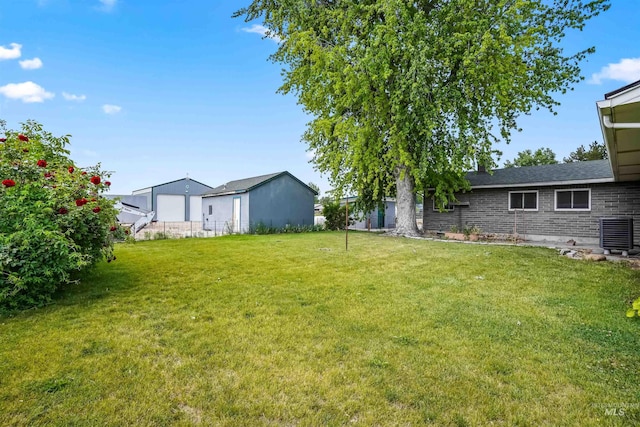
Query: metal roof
171	182
248	184
594	171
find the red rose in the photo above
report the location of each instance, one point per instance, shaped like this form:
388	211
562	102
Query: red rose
42	163
63	211
96	209
81	202
21	137
3	139
48	175
107	183
113	228
84	173
95	179
71	169
126	231
8	183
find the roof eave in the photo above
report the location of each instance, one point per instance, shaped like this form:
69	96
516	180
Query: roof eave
546	184
226	193
619	116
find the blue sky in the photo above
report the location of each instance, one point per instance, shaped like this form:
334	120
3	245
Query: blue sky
156	90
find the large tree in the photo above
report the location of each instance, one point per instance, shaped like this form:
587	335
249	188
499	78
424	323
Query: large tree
315	187
595	151
542	156
410	95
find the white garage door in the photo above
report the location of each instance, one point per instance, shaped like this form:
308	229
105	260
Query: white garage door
170	207
195	208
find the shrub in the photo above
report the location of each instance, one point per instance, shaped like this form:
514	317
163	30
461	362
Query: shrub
54	222
634	311
262	228
334	216
471	229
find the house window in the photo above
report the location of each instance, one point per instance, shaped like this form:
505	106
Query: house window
573	200
523	200
449	207
210	210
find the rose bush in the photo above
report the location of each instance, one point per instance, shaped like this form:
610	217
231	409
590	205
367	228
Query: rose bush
54	221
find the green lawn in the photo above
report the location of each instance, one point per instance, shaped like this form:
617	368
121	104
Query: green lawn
293	330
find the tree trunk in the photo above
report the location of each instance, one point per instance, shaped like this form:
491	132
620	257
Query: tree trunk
405	204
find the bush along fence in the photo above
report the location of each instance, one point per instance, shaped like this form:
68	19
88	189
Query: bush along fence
160	230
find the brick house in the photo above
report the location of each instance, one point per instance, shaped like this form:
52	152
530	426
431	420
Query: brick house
563	201
554	202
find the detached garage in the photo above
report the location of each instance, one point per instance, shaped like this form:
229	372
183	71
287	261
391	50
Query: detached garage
175	201
274	200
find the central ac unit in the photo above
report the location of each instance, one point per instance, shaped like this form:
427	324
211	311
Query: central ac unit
616	233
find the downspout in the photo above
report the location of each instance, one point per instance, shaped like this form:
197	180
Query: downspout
606	121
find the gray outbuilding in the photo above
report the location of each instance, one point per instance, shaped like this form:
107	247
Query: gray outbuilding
138	203
274	200
179	200
381	217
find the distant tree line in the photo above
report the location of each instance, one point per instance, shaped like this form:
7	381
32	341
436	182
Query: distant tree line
546	156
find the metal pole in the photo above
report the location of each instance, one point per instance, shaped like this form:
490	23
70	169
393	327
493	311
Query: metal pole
346	228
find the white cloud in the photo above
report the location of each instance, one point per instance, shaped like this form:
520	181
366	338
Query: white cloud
627	71
263	31
27	92
72	97
108	5
111	109
31	64
10	53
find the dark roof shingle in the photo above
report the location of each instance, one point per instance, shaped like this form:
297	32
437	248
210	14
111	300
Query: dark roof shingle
247	184
599	170
240	185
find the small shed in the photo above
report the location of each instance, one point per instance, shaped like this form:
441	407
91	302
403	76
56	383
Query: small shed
175	201
273	200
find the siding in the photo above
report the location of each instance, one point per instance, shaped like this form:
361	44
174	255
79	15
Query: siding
280	202
141	201
222	209
186	187
488	209
389	217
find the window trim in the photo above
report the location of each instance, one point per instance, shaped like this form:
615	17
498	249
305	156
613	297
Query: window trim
555	200
450	204
524	209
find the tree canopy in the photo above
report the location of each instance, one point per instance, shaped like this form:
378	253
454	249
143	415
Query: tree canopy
410	95
596	151
315	187
542	156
